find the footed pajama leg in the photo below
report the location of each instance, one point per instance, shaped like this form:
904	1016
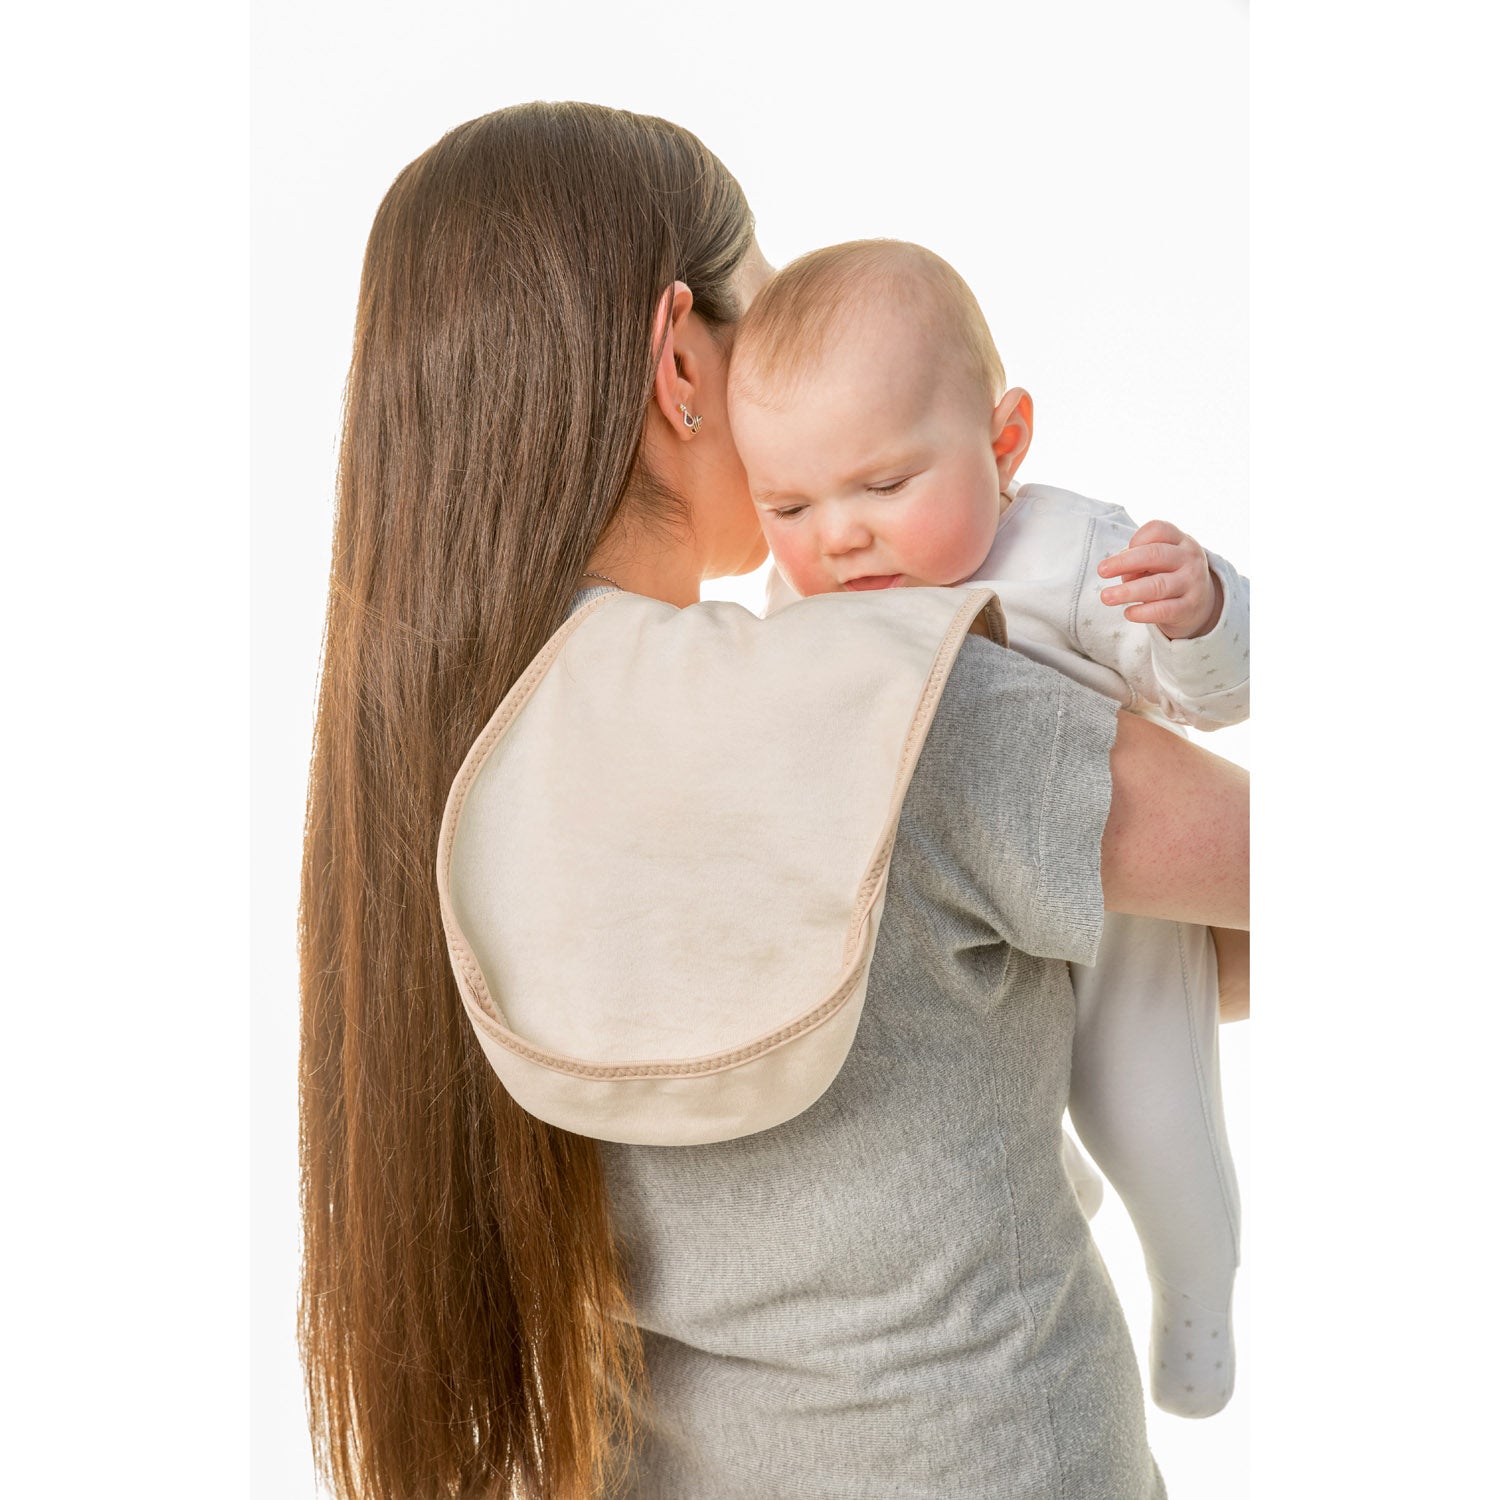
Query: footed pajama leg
1145	1102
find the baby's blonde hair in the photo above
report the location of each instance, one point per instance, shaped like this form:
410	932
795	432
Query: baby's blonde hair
784	334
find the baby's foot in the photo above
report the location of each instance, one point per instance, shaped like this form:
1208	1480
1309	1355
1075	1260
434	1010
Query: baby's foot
1192	1354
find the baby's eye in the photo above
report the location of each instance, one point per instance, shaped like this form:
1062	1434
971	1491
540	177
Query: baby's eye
788	512
887	489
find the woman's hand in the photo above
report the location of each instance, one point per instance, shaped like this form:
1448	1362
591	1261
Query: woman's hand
1233	951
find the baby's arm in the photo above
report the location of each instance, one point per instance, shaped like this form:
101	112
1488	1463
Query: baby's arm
1182	641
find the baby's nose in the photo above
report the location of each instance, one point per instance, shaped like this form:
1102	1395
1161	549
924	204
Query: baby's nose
844	532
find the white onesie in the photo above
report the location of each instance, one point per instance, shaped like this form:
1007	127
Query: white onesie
1145	1086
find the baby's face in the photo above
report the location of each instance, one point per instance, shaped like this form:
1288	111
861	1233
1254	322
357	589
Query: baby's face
875	470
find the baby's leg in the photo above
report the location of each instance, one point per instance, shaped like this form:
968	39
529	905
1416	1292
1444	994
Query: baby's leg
1145	1101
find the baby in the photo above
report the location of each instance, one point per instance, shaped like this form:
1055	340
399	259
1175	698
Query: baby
869	406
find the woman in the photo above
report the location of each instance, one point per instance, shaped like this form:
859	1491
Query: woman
893	1292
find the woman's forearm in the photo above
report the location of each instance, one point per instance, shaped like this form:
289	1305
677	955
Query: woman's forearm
1177	839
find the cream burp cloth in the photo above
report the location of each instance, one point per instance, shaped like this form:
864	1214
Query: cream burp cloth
662	864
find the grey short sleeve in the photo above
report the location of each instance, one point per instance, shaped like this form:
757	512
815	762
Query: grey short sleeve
1014	789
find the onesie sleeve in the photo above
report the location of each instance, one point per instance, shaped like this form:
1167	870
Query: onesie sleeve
1009	801
1203	682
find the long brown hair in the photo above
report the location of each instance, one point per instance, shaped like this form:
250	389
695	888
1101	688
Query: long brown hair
464	1317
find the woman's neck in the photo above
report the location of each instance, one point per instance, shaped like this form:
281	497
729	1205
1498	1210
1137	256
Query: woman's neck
668	573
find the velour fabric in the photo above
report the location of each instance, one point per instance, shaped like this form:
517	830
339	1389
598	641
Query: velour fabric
662	864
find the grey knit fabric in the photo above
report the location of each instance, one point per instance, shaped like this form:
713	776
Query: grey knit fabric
894	1294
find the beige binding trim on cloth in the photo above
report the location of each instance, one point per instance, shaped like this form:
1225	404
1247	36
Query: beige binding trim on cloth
662	864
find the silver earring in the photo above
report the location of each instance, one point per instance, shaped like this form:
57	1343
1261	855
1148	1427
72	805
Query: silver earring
688	421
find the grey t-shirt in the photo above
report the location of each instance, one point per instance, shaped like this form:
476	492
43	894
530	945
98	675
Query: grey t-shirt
894	1293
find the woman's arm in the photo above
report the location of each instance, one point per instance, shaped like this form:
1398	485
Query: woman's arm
1177	840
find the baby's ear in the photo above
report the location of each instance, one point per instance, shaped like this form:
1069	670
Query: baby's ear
1011	426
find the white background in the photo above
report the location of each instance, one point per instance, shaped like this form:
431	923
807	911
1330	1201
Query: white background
1084	165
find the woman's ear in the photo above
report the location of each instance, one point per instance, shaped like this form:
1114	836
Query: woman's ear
1010	432
676	368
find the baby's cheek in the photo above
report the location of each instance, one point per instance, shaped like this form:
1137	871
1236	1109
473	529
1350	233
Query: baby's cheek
944	548
801	571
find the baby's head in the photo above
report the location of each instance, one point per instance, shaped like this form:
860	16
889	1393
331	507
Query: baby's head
869	407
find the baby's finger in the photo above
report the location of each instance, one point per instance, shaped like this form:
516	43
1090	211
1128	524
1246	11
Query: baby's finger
1163	612
1157	531
1153	557
1146	588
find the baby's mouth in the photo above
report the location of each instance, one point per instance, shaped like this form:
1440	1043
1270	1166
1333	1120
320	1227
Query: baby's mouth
874	581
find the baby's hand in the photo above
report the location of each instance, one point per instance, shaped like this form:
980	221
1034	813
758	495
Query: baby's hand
1165	578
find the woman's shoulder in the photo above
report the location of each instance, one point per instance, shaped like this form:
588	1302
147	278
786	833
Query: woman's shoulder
1001	717
994	682
1009	797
